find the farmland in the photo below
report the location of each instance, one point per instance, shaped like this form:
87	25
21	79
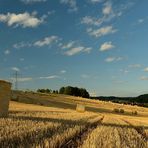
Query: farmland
52	121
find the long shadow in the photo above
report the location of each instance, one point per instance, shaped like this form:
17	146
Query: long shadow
123	126
42	119
66	121
50	132
65	105
16	112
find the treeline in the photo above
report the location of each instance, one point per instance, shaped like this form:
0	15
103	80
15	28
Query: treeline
74	91
48	91
68	90
141	100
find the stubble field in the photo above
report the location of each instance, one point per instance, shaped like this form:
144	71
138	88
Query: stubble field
31	125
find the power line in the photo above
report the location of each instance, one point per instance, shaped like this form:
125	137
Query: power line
16	76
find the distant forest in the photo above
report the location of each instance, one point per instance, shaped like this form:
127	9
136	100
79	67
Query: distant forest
141	100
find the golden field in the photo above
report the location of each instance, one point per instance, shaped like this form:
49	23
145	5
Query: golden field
54	122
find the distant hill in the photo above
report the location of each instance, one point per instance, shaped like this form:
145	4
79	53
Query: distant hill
141	100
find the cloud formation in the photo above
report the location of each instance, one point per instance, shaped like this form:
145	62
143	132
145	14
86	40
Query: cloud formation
135	66
63	71
112	59
47	41
21	45
95	1
102	31
68	45
15	69
7	52
72	4
144	78
107	9
22	79
85	76
22	19
50	77
106	46
146	69
76	50
32	1
89	20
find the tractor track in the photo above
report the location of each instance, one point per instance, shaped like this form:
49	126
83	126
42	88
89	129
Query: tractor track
139	129
77	140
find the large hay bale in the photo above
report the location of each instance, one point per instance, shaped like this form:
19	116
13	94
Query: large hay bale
80	108
5	92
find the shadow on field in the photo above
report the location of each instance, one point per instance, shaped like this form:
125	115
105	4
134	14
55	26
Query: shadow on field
36	111
66	121
123	126
82	121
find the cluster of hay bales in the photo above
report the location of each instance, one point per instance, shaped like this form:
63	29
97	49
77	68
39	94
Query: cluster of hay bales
119	110
5	93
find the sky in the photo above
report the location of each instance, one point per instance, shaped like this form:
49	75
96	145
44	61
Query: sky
100	45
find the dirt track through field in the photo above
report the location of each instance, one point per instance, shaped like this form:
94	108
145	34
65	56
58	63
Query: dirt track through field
80	137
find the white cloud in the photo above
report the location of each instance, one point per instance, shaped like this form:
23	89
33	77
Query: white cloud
72	4
102	31
76	50
22	79
140	20
68	45
22	59
119	58
146	69
106	46
63	71
144	78
50	77
107	9
22	19
85	76
88	20
125	71
119	82
47	41
21	45
112	59
95	1
108	13
134	66
6	52
15	69
32	1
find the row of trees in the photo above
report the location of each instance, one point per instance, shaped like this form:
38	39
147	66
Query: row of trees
69	90
48	91
74	91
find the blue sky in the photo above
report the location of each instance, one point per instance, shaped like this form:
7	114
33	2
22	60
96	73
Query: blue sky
100	45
